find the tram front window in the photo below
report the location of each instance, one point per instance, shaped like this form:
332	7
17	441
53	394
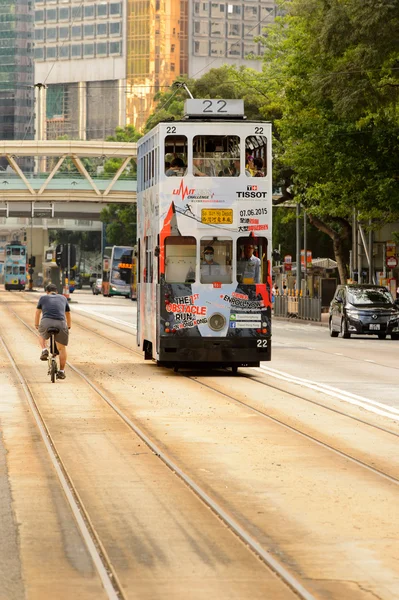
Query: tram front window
216	258
180	259
251	260
216	156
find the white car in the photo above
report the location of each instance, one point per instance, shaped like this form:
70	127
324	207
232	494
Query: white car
96	287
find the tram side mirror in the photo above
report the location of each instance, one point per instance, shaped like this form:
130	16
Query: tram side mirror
157	251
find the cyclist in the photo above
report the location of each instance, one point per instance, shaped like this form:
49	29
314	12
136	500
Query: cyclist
54	312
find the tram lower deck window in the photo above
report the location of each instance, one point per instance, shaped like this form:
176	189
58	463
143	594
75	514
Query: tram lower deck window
216	259
180	259
251	260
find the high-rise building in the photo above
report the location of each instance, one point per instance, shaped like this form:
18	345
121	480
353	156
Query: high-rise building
16	70
103	61
80	56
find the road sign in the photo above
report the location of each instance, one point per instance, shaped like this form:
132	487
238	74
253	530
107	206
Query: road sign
288	258
392	262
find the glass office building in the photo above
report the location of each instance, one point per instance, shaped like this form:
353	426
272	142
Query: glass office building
16	70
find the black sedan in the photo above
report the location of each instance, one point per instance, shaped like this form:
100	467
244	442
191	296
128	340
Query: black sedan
364	309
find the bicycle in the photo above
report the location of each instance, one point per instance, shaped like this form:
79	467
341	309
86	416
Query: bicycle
52	357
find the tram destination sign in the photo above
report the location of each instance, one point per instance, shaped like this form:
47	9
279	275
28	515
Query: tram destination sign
217	216
214	108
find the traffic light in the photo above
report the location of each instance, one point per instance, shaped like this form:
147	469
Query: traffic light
32	261
276	255
61	255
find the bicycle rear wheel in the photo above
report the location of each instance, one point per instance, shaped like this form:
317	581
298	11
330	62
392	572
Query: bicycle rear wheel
53	372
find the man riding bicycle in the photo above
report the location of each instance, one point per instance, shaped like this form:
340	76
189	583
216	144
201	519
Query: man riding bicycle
55	313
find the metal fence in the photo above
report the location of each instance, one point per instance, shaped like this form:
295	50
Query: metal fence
303	308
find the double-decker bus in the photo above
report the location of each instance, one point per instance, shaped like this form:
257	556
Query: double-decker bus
117	271
15	272
204	207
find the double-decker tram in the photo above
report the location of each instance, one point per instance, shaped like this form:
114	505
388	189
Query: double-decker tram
204	206
117	271
15	274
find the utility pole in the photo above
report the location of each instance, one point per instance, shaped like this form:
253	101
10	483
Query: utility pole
298	248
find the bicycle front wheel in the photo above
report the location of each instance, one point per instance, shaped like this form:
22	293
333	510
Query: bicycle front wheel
53	370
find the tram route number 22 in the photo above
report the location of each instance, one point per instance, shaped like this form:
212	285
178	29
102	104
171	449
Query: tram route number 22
261	343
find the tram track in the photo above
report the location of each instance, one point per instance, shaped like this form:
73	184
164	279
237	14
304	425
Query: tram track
197	379
103	564
175	467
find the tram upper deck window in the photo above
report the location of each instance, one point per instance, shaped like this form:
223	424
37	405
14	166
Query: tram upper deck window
180	259
9	270
216	259
251	260
216	156
256	156
175	155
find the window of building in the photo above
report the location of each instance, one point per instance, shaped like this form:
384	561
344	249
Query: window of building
216	260
250	49
102	10
266	13
51	14
89	11
180	259
39	34
234	49
175	155
63	52
76	31
39	16
250	12
251	260
51	52
114	28
172	66
76	50
233	10
77	12
234	29
250	30
39	53
217	28
89	31
63	33
217	9
63	14
201	27
201	48
102	49
256	156
114	47
102	29
115	8
201	8
51	34
89	49
216	156
218	48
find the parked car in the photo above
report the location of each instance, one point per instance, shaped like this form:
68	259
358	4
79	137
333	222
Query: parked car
96	287
364	309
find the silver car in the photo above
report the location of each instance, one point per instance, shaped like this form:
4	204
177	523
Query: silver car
96	287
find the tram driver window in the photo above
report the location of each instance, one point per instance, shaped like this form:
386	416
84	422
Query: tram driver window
216	156
180	259
256	156
251	260
175	155
216	259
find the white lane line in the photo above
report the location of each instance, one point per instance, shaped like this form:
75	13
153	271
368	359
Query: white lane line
366	403
106	317
369	360
338	353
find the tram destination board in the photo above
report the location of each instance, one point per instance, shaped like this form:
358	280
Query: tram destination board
214	108
221	216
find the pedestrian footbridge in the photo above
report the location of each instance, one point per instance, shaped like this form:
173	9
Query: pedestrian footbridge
43	178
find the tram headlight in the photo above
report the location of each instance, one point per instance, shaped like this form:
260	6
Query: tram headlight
217	322
167	323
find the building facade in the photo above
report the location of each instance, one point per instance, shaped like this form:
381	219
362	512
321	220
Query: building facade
103	61
16	70
80	56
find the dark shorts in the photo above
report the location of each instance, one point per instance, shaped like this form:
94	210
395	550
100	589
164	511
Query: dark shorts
61	337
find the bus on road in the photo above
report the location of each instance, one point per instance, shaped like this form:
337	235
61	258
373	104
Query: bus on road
204	210
117	271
